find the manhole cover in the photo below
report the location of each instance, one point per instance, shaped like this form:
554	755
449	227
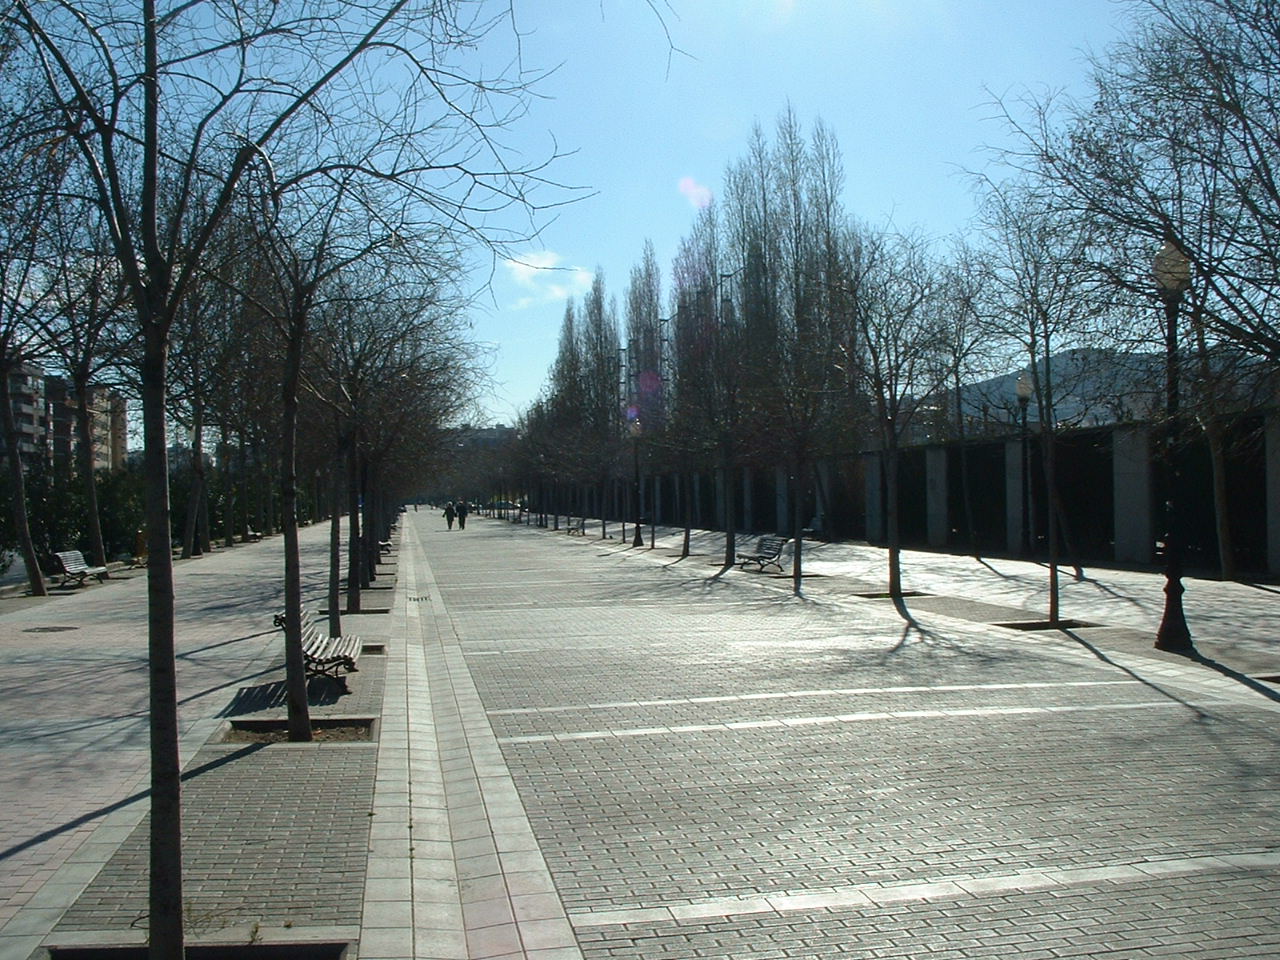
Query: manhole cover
49	629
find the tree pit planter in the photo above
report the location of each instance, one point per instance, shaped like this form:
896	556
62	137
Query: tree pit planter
205	951
323	730
1030	625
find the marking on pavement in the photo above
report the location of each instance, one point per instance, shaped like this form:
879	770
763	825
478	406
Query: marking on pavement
876	894
798	694
842	718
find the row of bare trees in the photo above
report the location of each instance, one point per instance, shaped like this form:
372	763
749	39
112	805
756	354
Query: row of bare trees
796	332
257	215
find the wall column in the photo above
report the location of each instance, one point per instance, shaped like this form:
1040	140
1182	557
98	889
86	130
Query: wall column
1133	531
872	490
935	486
1013	495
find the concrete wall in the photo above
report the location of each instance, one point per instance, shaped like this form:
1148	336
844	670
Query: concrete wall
875	502
1013	496
936	520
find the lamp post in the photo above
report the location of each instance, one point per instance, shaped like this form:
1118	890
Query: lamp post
1023	388
1172	271
637	540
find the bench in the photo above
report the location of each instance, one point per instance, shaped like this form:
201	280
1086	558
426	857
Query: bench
578	526
323	655
72	566
768	552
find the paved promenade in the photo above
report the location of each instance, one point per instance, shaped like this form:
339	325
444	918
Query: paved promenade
585	750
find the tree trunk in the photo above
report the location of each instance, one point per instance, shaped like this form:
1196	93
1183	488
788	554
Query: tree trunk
1050	480
242	458
966	497
228	492
165	929
354	561
892	527
189	547
1221	500
202	530
335	551
797	525
295	669
17	483
686	503
730	509
85	432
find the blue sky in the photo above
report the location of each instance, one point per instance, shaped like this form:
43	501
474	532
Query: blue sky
902	83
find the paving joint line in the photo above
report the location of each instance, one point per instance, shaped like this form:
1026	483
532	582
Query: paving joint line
870	895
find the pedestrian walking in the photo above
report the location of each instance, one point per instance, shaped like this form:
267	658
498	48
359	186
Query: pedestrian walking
449	514
463	510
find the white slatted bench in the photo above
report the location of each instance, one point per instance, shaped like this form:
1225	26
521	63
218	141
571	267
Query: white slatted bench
74	567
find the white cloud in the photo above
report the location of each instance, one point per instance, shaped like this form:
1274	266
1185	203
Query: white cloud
698	195
540	273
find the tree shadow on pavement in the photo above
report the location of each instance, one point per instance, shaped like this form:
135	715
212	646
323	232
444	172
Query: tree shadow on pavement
1240	678
92	815
1200	714
321	692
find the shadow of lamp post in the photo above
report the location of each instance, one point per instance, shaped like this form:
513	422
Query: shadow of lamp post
1172	271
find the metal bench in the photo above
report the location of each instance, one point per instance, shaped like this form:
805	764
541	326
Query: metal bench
325	656
768	552
578	526
72	566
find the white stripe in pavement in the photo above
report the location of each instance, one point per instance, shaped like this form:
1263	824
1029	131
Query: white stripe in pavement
875	894
842	718
798	694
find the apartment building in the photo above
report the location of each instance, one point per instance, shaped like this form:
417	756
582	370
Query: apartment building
45	409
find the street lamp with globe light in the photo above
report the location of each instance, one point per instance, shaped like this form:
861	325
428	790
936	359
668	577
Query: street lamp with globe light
638	539
1172	271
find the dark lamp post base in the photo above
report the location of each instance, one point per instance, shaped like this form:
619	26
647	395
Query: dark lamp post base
1174	635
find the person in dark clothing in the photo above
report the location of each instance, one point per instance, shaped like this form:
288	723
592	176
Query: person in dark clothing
463	510
449	514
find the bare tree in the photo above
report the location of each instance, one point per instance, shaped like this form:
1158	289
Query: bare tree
168	106
892	348
32	166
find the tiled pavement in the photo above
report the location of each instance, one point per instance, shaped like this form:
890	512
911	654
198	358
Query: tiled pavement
591	751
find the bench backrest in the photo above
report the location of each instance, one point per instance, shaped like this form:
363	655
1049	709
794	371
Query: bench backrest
72	561
769	545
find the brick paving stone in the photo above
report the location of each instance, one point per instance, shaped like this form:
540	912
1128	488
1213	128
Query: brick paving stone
650	800
590	750
274	835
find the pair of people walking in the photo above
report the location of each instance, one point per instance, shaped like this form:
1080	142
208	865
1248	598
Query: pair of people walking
457	511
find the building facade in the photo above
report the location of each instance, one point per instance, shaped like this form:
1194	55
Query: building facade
45	410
